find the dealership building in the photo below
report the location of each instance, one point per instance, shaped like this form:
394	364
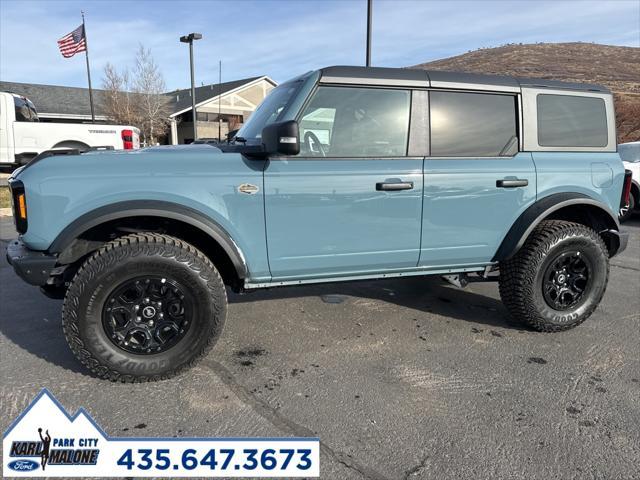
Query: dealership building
223	107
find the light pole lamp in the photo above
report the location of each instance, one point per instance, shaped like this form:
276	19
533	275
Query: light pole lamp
189	39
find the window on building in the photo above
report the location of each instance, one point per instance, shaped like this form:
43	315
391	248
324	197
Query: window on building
355	122
473	125
571	121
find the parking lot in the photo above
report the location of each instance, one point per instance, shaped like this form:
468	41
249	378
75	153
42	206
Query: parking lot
406	378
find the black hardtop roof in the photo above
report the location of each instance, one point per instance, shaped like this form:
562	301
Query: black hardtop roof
415	77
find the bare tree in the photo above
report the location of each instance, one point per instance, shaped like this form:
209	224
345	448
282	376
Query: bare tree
119	101
137	98
148	84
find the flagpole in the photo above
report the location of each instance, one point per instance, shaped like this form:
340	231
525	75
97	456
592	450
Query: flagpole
86	52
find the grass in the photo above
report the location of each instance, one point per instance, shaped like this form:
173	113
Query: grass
5	200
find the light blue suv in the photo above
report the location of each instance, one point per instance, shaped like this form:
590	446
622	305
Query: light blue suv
344	173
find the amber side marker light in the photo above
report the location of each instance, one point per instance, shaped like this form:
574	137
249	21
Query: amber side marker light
22	207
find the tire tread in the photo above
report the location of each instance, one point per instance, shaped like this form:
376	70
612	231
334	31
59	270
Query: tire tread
111	253
517	274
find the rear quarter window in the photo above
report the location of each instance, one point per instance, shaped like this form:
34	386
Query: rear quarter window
571	121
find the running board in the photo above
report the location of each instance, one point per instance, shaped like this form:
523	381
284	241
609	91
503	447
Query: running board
377	276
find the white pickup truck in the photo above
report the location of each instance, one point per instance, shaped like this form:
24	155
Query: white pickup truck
23	136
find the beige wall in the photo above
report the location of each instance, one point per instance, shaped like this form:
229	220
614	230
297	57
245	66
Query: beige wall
205	130
241	102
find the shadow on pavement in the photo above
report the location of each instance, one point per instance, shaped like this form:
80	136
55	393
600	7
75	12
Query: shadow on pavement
32	321
425	294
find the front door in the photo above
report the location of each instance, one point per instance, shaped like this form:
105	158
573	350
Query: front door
351	201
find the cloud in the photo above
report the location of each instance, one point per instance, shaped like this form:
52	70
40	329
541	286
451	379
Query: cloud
285	38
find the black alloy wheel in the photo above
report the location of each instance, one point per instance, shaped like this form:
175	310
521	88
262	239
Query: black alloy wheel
566	279
147	315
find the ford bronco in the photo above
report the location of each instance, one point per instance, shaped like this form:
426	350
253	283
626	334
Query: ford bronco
345	173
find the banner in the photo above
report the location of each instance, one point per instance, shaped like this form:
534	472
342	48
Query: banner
45	441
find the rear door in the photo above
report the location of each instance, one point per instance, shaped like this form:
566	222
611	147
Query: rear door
477	182
351	201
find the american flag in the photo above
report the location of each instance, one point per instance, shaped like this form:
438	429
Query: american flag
73	43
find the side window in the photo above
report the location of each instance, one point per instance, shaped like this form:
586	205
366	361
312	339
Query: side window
355	122
571	121
473	125
23	113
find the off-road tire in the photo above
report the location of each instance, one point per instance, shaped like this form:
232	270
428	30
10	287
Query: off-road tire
126	257
521	277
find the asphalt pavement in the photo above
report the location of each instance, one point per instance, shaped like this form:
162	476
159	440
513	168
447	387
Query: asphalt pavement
400	379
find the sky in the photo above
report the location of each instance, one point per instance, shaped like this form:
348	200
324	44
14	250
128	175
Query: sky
284	38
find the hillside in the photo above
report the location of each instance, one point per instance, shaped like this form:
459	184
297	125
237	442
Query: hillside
618	68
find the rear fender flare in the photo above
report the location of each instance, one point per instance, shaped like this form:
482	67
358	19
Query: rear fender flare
543	208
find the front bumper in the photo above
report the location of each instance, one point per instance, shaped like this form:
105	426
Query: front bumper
32	266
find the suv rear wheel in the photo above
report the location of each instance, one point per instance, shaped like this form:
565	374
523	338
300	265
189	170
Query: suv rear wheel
144	307
557	279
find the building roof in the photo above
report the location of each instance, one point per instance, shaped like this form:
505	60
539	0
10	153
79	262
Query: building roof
181	99
412	77
58	100
74	101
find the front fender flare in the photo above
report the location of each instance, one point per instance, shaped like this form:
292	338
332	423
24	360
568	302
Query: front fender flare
153	208
532	216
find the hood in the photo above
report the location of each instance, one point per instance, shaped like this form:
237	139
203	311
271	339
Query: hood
171	160
182	148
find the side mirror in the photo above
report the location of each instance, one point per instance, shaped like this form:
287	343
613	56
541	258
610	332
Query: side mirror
281	138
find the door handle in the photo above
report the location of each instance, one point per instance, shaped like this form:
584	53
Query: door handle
393	186
512	183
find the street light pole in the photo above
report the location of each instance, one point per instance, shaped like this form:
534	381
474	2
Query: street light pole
189	39
219	98
369	14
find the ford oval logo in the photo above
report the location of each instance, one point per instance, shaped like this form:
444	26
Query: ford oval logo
23	465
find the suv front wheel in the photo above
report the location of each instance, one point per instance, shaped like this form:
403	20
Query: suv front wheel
557	279
144	307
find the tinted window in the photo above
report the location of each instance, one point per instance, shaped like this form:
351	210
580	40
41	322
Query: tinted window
355	122
571	121
473	125
25	111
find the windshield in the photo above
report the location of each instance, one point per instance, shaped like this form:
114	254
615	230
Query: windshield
269	110
630	152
